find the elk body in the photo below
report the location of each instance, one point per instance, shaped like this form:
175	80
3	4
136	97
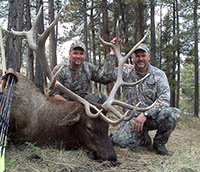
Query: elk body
38	118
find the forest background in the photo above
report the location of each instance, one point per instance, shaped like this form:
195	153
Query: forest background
174	38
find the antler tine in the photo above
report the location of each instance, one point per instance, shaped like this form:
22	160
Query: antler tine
128	106
41	43
54	78
108	105
22	33
29	34
137	45
115	122
40	48
117	33
79	99
57	84
45	34
126	117
135	83
115	47
34	25
105	42
122	118
40	53
134	112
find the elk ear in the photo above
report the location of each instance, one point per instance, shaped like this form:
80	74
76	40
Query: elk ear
70	119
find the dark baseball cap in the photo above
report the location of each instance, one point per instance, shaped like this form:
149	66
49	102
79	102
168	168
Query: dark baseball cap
142	47
76	44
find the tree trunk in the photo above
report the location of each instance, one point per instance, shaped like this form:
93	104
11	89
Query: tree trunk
85	35
20	27
30	70
85	26
125	32
93	42
178	58
196	61
106	34
124	23
11	58
139	21
39	80
161	44
3	57
153	41
52	37
173	83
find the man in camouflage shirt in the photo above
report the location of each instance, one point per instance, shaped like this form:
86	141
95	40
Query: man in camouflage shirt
161	117
77	75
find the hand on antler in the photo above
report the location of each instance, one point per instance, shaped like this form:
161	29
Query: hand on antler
113	41
115	44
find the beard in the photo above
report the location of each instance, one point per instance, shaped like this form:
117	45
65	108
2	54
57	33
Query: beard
141	65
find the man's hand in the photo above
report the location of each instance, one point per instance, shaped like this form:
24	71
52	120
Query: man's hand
113	41
139	122
130	66
59	97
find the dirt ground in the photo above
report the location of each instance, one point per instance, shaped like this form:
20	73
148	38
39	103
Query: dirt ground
183	146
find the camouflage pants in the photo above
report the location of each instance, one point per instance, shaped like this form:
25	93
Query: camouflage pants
165	122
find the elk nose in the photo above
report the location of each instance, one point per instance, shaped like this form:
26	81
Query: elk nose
108	156
113	158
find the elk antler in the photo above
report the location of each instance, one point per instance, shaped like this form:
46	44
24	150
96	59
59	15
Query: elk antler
39	49
119	82
40	53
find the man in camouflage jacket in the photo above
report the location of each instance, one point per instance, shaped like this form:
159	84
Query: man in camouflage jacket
77	75
155	87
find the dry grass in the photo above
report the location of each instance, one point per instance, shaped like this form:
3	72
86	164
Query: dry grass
184	147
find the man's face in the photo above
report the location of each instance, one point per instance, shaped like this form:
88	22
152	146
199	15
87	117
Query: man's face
77	56
141	59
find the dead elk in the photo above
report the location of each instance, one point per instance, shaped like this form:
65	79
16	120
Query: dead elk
38	118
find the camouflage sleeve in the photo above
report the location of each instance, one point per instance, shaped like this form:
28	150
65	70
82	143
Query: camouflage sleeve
163	95
99	75
109	68
54	91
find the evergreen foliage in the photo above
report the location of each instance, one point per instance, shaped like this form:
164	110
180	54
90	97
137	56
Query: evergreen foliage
187	88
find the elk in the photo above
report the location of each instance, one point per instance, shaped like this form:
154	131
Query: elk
36	117
43	120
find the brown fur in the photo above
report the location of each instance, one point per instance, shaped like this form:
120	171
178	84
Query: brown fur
38	118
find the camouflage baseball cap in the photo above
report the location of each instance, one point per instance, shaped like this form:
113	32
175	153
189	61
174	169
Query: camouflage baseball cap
142	47
77	44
